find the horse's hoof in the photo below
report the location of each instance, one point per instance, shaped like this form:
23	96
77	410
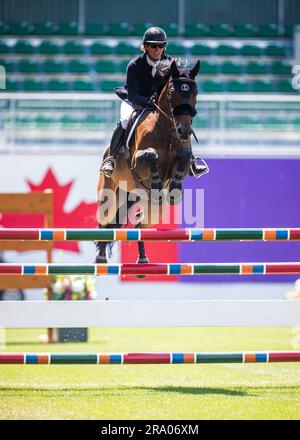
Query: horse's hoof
144	260
140	260
100	260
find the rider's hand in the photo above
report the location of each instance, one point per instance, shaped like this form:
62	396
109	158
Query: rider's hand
152	99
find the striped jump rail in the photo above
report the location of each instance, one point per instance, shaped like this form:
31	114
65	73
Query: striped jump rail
149	358
266	234
152	269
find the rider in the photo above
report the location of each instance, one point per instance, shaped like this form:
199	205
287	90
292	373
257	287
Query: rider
140	85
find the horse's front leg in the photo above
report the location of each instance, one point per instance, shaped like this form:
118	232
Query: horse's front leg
175	187
147	161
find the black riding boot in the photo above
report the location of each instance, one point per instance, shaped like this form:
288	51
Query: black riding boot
108	165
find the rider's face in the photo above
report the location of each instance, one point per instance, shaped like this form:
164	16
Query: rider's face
154	50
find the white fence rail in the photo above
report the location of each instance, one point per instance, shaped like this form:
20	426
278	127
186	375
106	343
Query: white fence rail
178	313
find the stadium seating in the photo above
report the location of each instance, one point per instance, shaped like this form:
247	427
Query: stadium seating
220	31
21	28
73	48
237	59
78	66
176	48
227	50
243	31
212	86
68	29
261	86
119	29
237	86
49	48
52	66
139	29
171	29
45	28
256	68
109	85
24	47
58	85
209	68
197	30
250	50
28	66
101	49
94	29
231	68
82	86
202	50
32	85
106	66
125	48
281	68
9	65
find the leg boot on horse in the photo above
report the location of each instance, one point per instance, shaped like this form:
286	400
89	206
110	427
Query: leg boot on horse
175	187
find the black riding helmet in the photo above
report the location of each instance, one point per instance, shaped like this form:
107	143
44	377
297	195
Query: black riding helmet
155	35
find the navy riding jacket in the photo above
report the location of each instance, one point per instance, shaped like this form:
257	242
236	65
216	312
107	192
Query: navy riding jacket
140	83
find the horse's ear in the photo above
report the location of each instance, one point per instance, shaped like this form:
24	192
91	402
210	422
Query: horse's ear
174	70
194	71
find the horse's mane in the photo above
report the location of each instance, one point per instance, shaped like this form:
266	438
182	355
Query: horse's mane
163	73
164	68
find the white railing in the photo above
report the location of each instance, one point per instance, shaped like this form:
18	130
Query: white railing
142	313
226	124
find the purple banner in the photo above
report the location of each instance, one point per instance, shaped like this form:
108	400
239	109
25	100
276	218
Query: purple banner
243	193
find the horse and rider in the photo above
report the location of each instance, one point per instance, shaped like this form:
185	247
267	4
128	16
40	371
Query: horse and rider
142	84
151	147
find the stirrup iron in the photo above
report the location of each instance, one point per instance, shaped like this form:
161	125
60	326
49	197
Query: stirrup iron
106	160
193	161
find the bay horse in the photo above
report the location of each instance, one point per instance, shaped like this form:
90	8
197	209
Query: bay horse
158	157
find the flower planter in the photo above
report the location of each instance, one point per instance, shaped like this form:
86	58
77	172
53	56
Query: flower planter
72	334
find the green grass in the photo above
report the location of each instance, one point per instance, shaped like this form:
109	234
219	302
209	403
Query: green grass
228	391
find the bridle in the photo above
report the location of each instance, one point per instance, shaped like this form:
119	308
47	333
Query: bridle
185	87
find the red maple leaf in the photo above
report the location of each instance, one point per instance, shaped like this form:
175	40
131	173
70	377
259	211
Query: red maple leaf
82	216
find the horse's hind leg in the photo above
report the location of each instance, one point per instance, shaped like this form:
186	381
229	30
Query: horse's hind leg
107	197
142	259
101	252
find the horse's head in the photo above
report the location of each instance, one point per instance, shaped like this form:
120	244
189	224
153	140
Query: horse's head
182	94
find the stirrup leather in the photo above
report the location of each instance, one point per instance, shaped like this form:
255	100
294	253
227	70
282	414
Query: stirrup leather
108	172
200	173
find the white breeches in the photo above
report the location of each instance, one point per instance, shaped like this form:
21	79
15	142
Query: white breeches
125	113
